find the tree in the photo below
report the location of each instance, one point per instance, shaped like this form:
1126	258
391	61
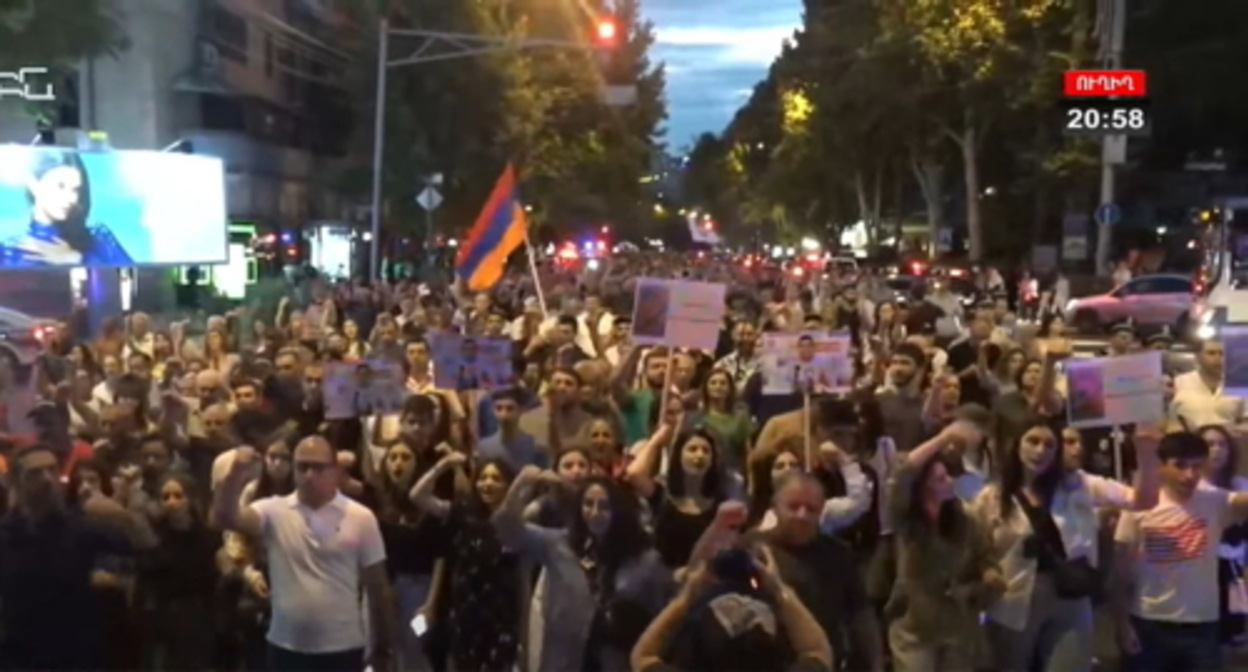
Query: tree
55	34
580	161
1188	57
442	117
584	162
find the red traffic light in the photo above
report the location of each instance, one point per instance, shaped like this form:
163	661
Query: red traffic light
607	31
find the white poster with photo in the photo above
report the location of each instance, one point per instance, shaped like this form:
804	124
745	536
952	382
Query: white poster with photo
386	391
338	390
1115	391
360	389
816	362
1235	341
472	363
678	313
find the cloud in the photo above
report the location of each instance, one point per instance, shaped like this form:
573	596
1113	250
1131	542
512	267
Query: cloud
715	54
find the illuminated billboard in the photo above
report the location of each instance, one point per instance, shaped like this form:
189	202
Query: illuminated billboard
60	207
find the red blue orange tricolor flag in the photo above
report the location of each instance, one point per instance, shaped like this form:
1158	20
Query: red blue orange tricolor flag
499	230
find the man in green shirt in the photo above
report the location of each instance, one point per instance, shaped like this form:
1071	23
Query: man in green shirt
637	404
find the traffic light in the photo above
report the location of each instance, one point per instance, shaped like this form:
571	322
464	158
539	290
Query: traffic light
607	32
619	82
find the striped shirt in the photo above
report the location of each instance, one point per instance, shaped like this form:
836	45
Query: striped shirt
1175	555
1184	540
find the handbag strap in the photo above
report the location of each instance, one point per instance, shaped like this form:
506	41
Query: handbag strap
1034	516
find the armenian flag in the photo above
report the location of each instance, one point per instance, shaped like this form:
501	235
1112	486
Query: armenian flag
499	230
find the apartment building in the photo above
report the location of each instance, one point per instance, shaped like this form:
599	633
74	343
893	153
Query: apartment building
259	83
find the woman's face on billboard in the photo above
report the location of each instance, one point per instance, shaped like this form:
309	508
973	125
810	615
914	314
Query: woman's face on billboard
57	194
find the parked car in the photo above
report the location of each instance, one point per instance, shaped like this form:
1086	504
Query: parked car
1151	301
22	336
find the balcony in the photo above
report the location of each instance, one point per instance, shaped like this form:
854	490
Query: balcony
271	182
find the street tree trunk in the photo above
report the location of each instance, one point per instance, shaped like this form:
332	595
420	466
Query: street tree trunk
929	173
967	139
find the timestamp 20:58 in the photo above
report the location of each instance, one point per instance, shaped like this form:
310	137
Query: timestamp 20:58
1093	117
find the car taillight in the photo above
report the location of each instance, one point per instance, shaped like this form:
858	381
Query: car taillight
41	333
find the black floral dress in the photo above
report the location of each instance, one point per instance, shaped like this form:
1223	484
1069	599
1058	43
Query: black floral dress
485	596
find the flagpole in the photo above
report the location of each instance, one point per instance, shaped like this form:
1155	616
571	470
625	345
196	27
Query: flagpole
528	252
537	279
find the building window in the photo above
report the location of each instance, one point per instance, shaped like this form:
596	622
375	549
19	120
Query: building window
222	113
287	58
229	33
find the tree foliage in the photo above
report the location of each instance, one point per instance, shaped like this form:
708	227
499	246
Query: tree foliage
56	34
541	109
898	95
51	33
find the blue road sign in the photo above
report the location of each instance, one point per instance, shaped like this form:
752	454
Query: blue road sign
1108	214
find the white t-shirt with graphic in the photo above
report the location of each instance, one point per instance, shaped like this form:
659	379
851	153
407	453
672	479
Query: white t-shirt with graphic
1175	546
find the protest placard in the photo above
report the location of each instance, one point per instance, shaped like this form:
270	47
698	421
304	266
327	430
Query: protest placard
472	363
359	389
678	313
1115	391
818	363
1235	343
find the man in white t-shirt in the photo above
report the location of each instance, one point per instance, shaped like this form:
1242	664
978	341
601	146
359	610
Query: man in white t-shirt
322	549
1167	562
1200	397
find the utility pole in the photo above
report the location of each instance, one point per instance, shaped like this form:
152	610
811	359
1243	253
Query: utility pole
435	46
1112	26
379	138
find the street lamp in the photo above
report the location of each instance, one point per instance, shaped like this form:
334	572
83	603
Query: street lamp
436	45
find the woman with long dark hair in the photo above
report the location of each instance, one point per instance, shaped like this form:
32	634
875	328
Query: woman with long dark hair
486	577
277	478
113	579
1233	549
766	470
60	233
556	507
684	501
720	413
178	579
413	539
601	581
943	573
1045	530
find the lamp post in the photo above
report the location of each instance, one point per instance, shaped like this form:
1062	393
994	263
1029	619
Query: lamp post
434	46
1113	30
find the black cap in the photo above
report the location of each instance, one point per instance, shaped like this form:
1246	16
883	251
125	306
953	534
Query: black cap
731	630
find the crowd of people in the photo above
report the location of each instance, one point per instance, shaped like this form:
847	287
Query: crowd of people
183	503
